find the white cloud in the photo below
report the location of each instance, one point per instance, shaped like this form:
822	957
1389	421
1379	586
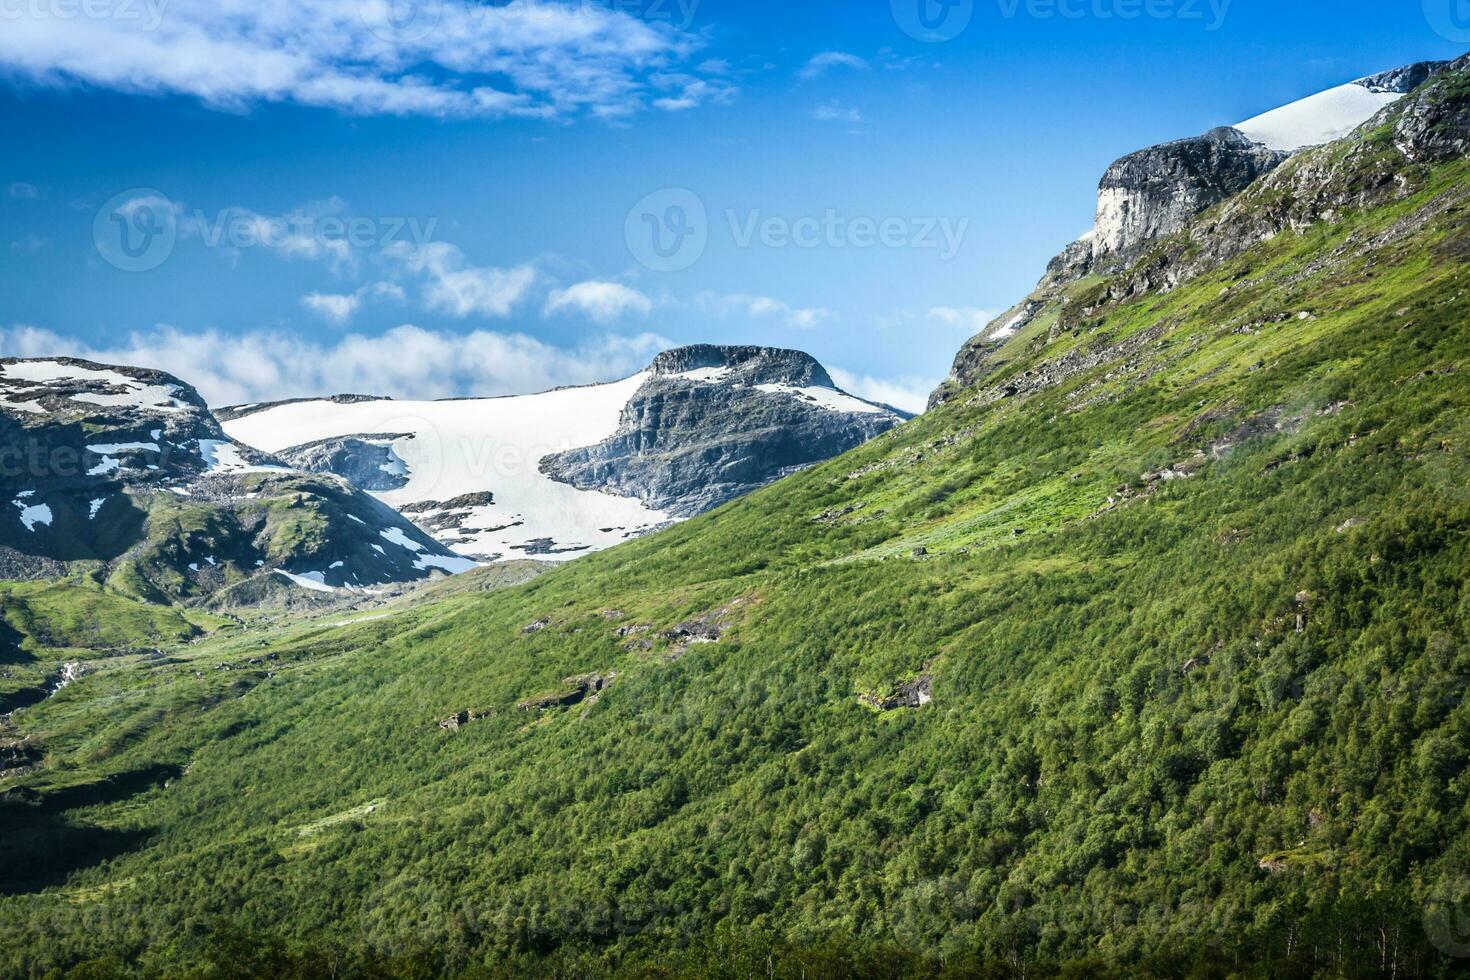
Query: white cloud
837	112
908	393
970	318
461	58
687	92
333	307
820	64
405	362
458	289
339	308
23	191
603	302
742	304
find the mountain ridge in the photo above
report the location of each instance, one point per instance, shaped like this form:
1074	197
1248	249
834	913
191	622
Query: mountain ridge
607	462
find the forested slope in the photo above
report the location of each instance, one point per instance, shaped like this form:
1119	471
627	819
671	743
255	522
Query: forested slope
1146	653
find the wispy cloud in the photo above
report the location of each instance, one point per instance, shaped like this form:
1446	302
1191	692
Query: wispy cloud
746	305
339	308
827	60
836	112
683	92
406	362
23	191
455	287
603	302
908	393
971	318
462	58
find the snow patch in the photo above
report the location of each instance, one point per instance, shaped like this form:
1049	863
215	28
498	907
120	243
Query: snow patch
454	566
709	375
31	515
96	506
395	535
1011	327
495	445
111	448
828	398
1317	119
224	457
315	581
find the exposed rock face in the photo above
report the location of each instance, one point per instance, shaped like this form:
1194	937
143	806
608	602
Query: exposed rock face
714	423
1430	125
910	694
1156	191
368	462
127	471
1404	80
232	412
1148	197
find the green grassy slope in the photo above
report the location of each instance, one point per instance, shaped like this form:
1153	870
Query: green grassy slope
1188	579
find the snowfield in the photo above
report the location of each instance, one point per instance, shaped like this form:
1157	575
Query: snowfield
490	445
135	394
1317	119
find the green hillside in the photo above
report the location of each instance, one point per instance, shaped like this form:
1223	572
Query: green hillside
1147	655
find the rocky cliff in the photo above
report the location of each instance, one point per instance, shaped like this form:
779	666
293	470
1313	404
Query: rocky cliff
714	423
1148	196
125	474
1155	191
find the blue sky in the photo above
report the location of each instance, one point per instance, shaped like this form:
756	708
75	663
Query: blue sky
448	198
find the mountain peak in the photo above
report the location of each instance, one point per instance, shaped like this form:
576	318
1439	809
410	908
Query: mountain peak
751	365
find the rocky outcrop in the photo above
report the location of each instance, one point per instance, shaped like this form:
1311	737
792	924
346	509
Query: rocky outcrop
1158	190
1228	194
126	472
368	462
1402	81
574	690
910	694
714	423
1431	125
231	412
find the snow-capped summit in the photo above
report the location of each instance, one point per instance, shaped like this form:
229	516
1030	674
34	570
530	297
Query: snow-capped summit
1333	114
127	470
1155	191
562	473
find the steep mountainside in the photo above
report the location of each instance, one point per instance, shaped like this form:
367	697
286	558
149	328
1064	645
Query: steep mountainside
123	473
560	474
1155	192
1144	654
